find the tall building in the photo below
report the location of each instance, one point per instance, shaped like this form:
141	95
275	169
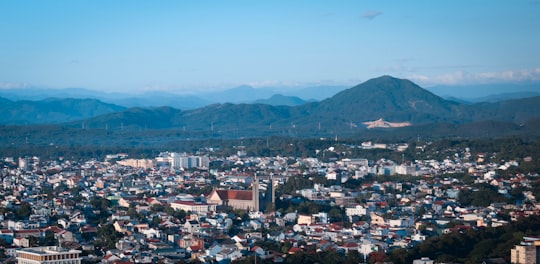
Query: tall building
182	160
48	255
527	252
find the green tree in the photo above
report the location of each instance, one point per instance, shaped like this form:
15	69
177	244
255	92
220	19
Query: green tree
49	239
24	211
107	236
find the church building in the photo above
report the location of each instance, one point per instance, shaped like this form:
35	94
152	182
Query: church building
237	199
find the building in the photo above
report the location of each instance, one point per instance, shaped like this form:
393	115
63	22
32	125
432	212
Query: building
138	163
358	210
423	260
182	160
49	255
527	252
194	207
237	199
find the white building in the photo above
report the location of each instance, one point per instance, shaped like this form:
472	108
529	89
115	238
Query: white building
182	160
358	210
194	207
48	255
423	260
405	170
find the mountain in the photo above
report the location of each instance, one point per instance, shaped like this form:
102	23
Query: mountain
147	99
471	92
135	118
503	97
315	93
158	99
348	113
279	99
394	100
240	94
517	111
52	111
36	94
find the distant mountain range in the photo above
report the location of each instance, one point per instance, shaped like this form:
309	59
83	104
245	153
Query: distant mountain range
385	98
279	99
241	94
487	92
290	96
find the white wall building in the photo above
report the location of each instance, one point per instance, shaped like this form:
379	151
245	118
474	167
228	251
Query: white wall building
48	255
358	210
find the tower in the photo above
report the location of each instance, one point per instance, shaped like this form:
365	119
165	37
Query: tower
273	186
255	194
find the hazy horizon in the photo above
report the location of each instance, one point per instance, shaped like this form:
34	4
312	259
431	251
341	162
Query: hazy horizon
137	46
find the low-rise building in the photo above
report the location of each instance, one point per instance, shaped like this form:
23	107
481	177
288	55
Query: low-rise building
49	255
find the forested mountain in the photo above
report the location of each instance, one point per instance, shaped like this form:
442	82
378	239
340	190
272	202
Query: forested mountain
279	99
52	110
392	99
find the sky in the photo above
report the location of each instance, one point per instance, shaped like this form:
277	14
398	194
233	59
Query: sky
202	45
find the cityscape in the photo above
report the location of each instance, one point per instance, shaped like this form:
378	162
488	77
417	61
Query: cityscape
236	132
199	207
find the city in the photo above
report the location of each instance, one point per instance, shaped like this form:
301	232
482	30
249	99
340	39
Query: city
181	207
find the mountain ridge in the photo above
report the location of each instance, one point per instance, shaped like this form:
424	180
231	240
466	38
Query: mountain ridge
393	99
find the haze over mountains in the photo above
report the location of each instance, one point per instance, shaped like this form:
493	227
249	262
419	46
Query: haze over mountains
241	94
392	99
290	96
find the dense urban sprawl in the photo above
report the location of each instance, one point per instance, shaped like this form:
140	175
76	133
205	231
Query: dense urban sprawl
181	207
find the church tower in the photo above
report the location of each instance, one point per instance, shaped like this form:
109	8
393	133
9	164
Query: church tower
255	194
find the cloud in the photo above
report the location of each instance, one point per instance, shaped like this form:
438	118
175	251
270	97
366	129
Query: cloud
463	77
12	85
371	14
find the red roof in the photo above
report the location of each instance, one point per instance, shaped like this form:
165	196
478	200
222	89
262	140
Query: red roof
195	248
350	245
255	248
294	250
235	194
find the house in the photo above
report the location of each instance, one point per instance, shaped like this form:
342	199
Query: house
21	242
28	233
110	258
192	226
7	235
228	254
191	241
258	250
377	219
304	219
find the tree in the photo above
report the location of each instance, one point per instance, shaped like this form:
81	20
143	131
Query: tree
49	239
108	236
336	214
24	211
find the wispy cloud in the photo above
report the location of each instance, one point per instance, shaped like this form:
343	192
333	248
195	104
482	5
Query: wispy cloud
370	15
13	85
463	77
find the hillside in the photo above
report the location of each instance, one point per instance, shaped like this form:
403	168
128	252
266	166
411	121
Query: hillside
279	99
52	111
347	114
394	100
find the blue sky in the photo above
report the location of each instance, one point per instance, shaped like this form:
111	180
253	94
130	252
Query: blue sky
194	45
